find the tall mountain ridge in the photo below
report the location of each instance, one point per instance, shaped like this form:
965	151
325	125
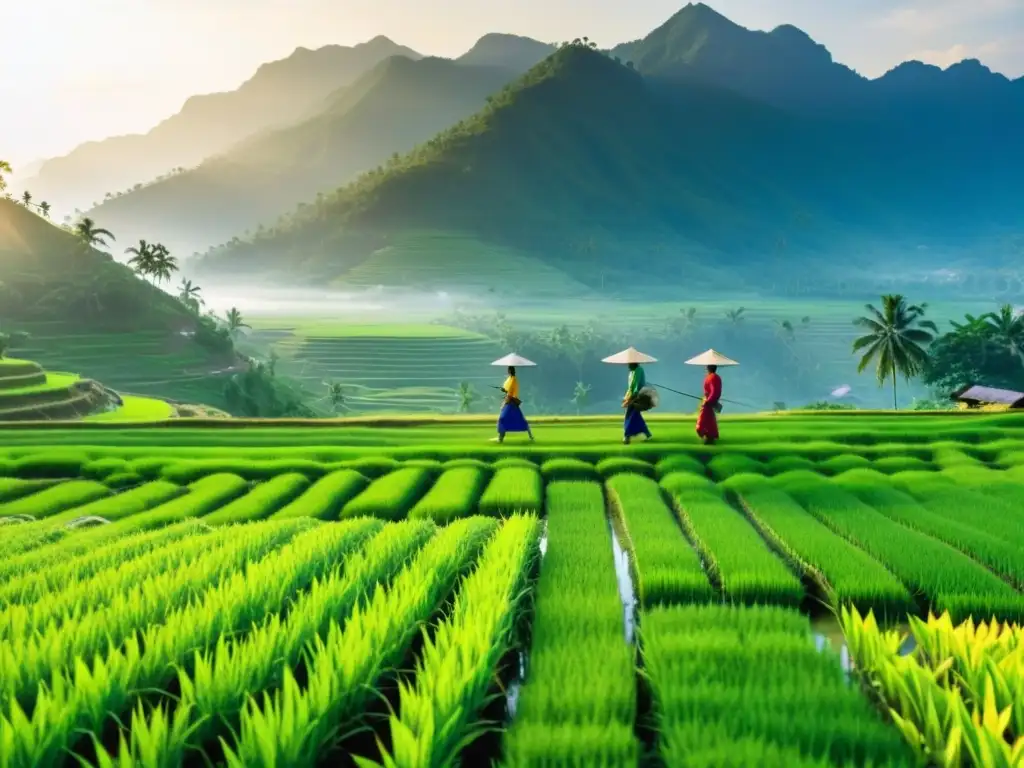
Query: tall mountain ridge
390	109
584	148
279	92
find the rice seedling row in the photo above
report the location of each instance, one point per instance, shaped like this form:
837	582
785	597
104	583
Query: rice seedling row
666	568
579	698
299	723
261	502
512	489
32	656
1001	556
325	498
203	496
120	505
218	681
454	495
390	497
81	699
947	578
745	685
439	707
53	500
844	573
736	556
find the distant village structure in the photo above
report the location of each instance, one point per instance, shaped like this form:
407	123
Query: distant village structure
989	398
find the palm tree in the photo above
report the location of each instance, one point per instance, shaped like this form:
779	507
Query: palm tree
164	265
5	167
141	261
1007	329
896	340
466	396
786	330
92	235
26	198
235	322
735	316
188	294
44	208
579	395
336	395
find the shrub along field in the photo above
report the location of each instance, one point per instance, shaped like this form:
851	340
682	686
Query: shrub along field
255	596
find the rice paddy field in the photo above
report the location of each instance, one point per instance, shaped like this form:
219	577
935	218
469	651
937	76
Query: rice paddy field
815	590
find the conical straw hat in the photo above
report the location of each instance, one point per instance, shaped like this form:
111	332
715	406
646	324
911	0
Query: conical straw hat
711	358
627	356
513	359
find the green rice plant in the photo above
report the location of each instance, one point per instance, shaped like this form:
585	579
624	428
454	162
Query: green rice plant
665	566
687	482
226	675
679	462
511	490
476	463
99	469
750	677
438	708
93	591
513	462
744	482
781	464
845	573
50	464
203	496
82	700
55	499
843	463
326	497
568	469
581	675
432	465
13	488
725	465
948	457
624	465
33	586
123	480
32	658
190	471
736	557
372	466
261	502
26	539
946	577
389	497
123	504
1002	556
454	495
342	669
943	497
893	464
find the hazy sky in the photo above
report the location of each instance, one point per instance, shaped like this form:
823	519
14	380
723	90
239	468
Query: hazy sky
74	70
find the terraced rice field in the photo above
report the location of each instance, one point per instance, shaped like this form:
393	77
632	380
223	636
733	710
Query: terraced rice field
141	363
291	596
386	369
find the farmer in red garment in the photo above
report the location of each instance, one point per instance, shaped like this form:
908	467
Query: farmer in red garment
707	422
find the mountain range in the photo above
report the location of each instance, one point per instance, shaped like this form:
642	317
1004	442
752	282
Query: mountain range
704	146
279	92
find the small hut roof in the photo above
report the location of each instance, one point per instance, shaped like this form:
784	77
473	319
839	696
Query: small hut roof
628	356
711	358
514	360
980	394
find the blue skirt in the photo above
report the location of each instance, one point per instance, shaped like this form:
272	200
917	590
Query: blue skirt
511	419
635	424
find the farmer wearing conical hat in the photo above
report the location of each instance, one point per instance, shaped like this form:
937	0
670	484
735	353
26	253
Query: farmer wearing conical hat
511	418
634	423
707	421
711	405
